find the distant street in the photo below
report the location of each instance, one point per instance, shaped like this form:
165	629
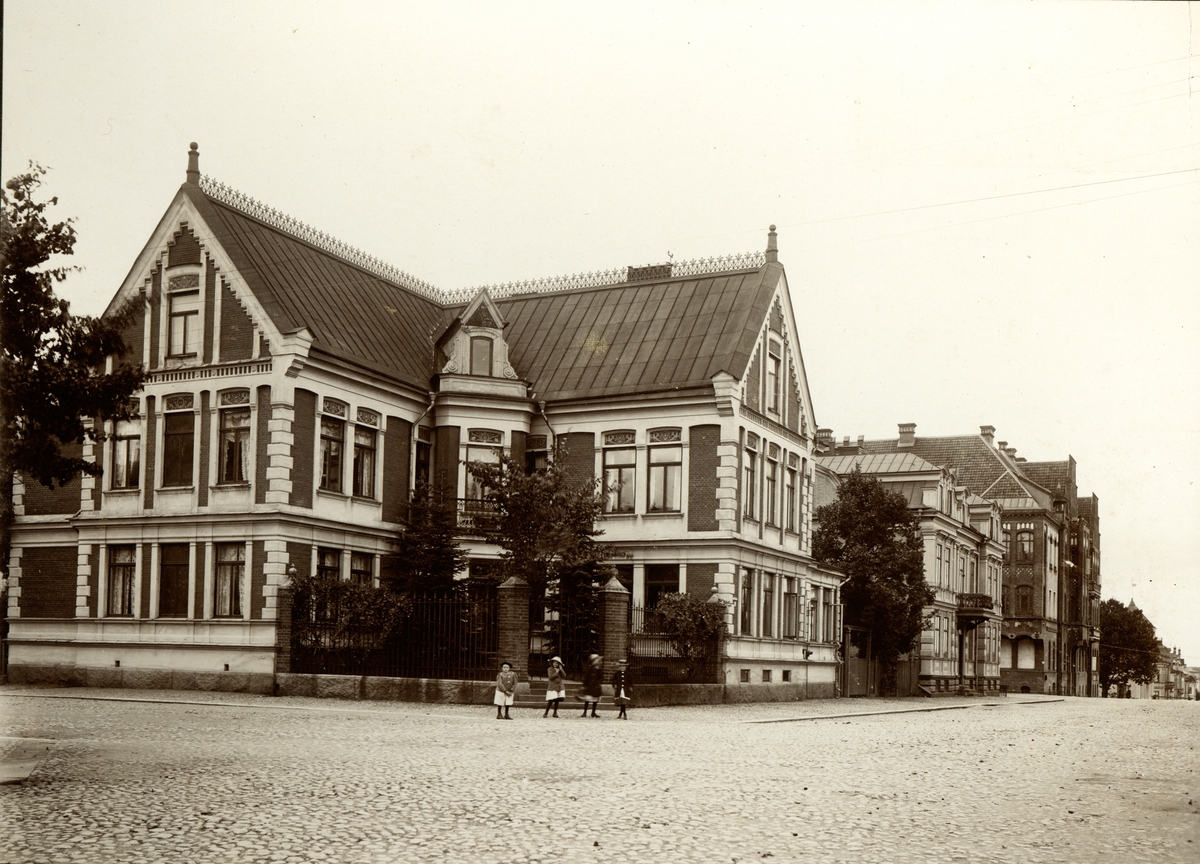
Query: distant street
222	777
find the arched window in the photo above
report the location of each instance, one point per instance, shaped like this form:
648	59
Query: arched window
1024	599
1025	654
1006	654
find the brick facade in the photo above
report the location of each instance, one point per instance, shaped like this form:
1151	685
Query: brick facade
262	440
184	249
236	328
700	579
397	453
48	581
702	477
206	418
578	456
304	430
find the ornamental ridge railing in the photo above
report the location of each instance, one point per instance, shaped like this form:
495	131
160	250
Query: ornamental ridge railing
256	209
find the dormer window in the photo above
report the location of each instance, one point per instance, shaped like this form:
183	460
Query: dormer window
481	356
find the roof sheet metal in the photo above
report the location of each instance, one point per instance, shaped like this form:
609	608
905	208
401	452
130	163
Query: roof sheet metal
637	337
877	463
352	314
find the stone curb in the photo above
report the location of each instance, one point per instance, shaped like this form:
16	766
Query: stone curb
903	711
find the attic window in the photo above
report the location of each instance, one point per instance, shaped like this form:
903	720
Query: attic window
481	356
774	361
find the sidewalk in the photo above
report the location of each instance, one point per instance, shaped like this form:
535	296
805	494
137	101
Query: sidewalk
746	712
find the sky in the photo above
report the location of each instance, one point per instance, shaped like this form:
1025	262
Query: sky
989	213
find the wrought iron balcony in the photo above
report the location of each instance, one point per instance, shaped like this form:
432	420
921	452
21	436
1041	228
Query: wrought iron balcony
974	609
477	517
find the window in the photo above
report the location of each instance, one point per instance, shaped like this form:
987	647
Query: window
127	455
173	580
660	579
184	333
766	676
751	471
231	567
120	580
1024	547
744	676
773	364
364	462
332	437
830	627
791	610
619	476
666	471
235	446
747	609
962	573
1024	600
424	452
772	487
362	568
536	454
1007	546
768	605
178	437
329	564
789	494
1026	654
481	355
786	675
486	455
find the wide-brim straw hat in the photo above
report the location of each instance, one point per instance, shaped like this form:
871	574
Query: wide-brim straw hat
557	660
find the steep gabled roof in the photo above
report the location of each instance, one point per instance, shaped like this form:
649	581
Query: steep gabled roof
639	337
1055	476
353	314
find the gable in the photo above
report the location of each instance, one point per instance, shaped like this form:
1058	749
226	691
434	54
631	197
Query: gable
774	384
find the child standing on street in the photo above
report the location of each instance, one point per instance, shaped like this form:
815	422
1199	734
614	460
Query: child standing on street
593	683
622	688
506	685
556	687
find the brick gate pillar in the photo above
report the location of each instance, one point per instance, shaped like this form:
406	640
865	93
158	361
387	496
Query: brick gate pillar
614	625
514	626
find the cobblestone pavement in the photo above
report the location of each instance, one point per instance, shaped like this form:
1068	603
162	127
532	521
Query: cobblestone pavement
224	777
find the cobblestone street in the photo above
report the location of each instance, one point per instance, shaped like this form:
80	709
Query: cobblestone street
223	777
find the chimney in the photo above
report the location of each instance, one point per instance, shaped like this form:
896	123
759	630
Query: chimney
193	172
824	440
772	249
908	435
848	449
987	433
1012	453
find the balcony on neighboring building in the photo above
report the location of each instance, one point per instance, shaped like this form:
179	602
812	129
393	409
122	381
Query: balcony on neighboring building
974	609
477	517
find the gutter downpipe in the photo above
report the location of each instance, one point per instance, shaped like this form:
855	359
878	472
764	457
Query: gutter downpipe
553	435
412	448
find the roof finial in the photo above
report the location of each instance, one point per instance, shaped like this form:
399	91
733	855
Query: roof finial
193	172
772	249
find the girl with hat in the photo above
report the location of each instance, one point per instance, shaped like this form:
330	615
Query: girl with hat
556	687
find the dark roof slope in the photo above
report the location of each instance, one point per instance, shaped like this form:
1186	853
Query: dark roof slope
1054	476
640	337
352	314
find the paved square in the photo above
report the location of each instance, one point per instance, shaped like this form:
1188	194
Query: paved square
220	777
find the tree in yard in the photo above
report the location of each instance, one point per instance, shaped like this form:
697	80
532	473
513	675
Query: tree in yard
692	627
546	526
52	363
429	558
873	537
1128	646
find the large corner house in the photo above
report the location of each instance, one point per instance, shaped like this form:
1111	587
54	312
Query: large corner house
298	389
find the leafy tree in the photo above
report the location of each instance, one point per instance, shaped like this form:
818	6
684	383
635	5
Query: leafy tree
873	537
546	526
693	627
52	363
339	626
429	558
1128	646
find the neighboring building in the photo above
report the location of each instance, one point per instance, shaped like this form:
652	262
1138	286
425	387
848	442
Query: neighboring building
963	565
1037	529
299	389
1169	674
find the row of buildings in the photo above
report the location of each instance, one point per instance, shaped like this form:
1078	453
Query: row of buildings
300	389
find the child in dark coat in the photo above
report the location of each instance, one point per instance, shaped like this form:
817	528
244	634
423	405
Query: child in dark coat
506	685
593	683
622	689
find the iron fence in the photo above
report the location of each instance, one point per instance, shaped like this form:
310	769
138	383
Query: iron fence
571	634
653	659
456	637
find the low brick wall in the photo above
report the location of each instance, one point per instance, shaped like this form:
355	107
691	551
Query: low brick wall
141	679
431	690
